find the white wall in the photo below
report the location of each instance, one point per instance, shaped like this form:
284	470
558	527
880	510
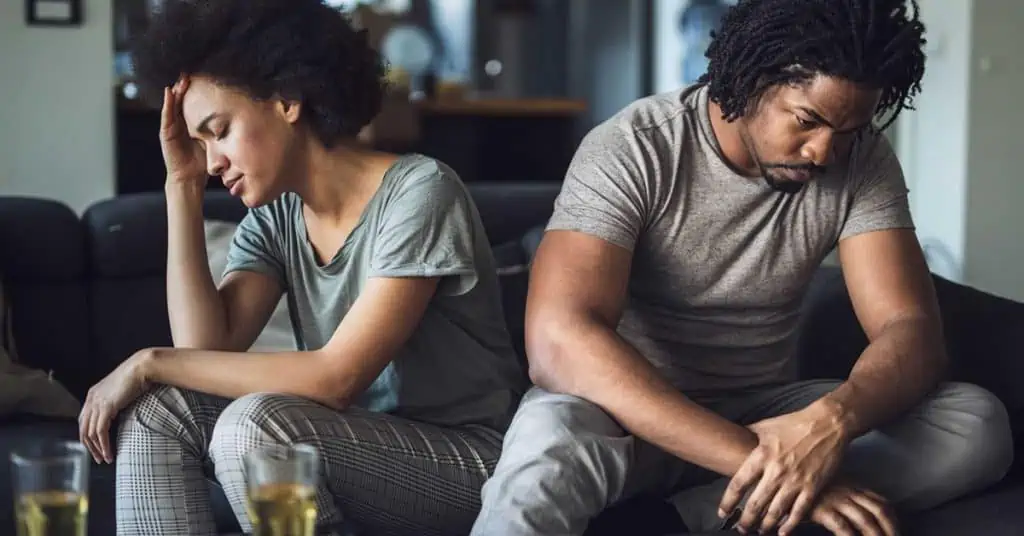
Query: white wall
960	148
56	106
933	138
994	243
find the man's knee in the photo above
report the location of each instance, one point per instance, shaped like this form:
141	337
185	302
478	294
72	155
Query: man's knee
563	461
546	421
557	436
976	434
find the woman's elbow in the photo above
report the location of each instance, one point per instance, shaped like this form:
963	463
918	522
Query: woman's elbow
332	394
326	383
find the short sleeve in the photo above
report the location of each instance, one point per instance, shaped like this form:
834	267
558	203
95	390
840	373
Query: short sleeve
254	246
427	229
879	192
604	193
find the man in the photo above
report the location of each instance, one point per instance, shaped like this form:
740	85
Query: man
665	298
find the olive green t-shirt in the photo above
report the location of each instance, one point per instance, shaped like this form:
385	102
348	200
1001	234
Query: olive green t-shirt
459	366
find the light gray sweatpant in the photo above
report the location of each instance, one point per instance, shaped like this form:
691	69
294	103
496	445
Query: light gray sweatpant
565	460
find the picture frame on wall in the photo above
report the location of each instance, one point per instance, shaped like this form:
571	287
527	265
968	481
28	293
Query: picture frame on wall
53	12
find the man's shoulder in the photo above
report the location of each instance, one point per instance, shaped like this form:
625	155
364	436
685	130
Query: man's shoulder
646	136
653	115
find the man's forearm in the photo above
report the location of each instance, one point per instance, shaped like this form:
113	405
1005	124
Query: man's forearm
236	374
899	368
195	309
596	364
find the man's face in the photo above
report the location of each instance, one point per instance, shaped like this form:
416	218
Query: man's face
798	129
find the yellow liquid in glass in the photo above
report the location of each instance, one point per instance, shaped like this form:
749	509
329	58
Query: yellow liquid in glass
282	510
52	513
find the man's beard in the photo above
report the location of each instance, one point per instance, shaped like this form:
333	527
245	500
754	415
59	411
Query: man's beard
780	185
773	181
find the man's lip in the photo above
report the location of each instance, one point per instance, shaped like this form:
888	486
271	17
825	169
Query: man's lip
801	175
231	183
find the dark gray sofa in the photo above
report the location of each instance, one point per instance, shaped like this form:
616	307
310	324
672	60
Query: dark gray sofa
87	292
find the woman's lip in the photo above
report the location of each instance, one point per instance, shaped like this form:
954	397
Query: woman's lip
233	185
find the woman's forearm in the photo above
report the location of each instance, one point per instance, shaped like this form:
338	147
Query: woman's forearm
195	309
236	374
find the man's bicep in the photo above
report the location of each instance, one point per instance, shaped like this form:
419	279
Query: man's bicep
887	278
249	299
578	274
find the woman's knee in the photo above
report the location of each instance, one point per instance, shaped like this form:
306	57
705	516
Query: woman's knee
246	423
159	410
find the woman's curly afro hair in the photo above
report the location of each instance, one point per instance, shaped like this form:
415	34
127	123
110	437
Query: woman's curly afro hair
298	50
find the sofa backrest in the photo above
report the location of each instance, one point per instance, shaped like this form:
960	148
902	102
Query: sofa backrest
43	265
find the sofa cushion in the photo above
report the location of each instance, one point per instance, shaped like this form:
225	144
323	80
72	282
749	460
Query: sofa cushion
127	235
509	210
277	335
513	276
127	257
43	268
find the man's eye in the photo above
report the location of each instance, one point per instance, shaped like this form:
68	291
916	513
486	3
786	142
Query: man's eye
804	123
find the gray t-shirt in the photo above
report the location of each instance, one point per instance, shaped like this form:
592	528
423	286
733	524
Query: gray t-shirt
458	367
721	262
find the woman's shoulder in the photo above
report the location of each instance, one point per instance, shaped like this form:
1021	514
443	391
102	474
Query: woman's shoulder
416	175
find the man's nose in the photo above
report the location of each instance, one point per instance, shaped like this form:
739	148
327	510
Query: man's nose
819	148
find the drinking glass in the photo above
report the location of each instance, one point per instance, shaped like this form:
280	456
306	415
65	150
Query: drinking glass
51	489
281	482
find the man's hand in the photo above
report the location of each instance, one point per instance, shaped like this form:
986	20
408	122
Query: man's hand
796	457
850	511
105	400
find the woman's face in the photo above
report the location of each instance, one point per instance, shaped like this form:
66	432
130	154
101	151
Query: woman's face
248	143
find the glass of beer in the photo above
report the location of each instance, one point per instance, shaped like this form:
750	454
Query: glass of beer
281	481
51	489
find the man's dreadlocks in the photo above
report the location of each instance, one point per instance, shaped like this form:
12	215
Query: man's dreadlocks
763	43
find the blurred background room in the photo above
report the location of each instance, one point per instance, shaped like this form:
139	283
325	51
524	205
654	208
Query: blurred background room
504	89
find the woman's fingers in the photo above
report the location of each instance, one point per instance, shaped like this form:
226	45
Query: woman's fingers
84	429
103	421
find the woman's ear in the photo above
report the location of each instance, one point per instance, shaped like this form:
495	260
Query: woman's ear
290	110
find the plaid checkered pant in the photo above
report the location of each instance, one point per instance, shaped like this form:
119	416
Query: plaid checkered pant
380	474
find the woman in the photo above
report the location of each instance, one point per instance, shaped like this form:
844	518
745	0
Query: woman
404	379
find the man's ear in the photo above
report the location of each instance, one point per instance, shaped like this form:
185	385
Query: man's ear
290	110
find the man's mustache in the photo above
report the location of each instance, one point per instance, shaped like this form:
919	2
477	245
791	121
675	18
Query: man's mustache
812	168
